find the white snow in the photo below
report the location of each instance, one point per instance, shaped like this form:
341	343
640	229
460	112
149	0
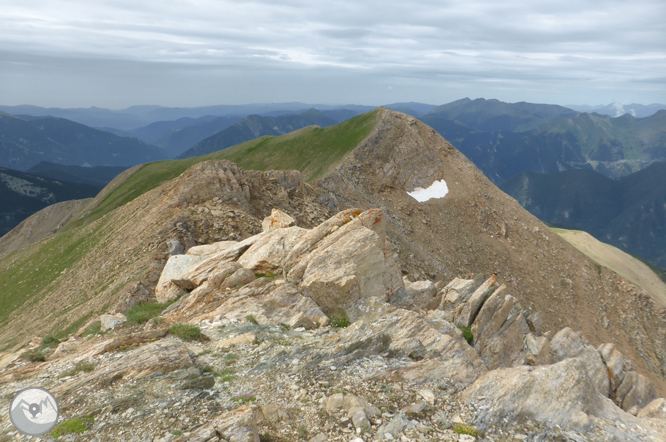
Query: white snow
438	189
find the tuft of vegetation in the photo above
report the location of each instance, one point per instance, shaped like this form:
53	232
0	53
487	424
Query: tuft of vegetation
225	375
80	366
94	329
245	398
466	429
467	333
266	275
251	319
338	319
35	355
186	332
142	313
50	341
177	432
77	425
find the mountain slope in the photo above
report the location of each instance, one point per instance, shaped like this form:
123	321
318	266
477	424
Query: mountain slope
120	239
24	143
22	194
628	213
494	115
620	262
95	176
255	126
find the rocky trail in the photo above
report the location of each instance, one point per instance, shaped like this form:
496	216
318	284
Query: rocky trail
296	334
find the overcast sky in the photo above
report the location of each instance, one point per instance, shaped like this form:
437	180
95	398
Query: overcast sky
117	53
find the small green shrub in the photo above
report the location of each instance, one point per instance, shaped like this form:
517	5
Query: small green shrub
266	437
77	425
177	432
186	332
245	398
266	275
141	313
251	319
339	319
80	366
467	333
50	341
284	327
466	429
34	356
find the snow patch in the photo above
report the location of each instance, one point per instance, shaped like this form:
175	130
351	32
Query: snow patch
438	189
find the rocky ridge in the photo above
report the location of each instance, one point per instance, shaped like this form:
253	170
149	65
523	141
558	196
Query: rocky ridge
278	362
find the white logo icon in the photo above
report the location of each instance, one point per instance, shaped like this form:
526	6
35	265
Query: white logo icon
34	411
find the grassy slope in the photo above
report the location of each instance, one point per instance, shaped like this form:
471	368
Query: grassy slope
615	259
33	270
311	150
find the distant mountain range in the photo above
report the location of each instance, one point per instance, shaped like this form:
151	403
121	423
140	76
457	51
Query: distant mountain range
255	126
618	109
23	194
505	139
629	212
25	141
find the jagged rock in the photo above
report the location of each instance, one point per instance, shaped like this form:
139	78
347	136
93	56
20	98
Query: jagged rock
175	247
199	382
239	425
469	310
208	250
454	294
270	254
635	390
356	408
614	360
539	350
654	410
535	322
244	339
559	394
568	344
171	282
422	294
110	321
499	332
273	413
222	273
347	266
275	305
239	278
277	220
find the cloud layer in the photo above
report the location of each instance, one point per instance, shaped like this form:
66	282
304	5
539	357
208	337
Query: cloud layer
117	53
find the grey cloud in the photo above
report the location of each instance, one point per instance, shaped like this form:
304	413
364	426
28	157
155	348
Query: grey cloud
431	51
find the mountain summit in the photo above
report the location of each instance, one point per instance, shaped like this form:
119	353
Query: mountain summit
381	279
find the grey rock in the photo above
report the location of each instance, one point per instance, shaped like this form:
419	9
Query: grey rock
635	390
175	247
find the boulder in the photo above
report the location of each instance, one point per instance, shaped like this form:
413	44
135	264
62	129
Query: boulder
614	360
269	255
347	266
208	250
499	333
492	315
635	390
566	344
110	321
522	393
223	272
239	425
422	294
175	247
172	284
277	220
538	348
466	315
654	410
239	278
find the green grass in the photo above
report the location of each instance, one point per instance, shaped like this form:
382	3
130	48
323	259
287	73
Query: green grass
35	355
338	319
142	313
78	425
177	432
94	329
467	333
310	150
251	319
466	429
79	367
50	341
186	332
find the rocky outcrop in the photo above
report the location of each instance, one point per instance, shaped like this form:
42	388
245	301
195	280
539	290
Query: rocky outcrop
277	220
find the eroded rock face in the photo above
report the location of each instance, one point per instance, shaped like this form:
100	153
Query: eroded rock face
561	394
110	321
654	410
